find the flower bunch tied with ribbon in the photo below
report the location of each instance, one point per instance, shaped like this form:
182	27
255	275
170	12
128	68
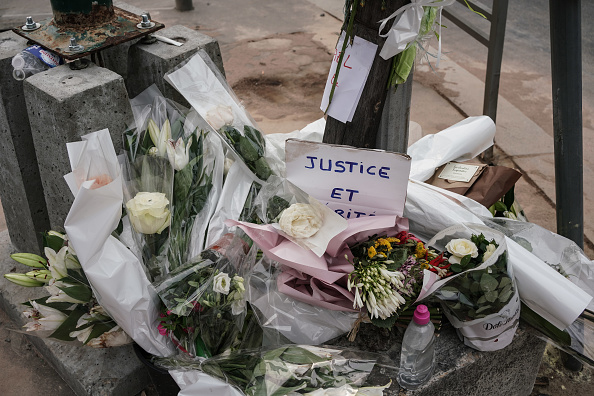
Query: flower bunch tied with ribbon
388	275
71	312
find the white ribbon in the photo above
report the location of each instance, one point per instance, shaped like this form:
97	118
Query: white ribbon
405	29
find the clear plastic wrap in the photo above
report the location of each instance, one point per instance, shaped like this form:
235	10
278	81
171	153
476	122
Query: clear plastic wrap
284	318
165	132
285	370
207	91
204	300
481	300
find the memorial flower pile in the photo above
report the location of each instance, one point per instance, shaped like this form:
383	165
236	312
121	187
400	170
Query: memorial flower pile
235	271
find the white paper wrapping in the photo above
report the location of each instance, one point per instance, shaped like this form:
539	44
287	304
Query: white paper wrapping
460	142
116	275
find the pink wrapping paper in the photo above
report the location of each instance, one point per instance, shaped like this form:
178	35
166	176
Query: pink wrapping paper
320	281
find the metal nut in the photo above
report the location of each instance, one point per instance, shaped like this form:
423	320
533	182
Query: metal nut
30	24
74	46
146	22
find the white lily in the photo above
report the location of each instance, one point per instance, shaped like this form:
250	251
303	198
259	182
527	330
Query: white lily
58	295
160	136
112	338
179	153
45	318
56	262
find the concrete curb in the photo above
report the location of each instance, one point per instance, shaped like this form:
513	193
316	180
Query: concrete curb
88	371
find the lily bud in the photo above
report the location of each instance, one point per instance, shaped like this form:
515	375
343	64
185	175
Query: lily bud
40	275
30	259
23	280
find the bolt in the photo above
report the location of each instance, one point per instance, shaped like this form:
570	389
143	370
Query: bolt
74	46
146	22
30	24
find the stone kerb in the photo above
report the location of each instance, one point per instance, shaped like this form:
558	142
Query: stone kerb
88	371
148	63
20	184
63	105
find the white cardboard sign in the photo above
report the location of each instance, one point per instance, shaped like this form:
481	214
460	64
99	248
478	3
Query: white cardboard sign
353	182
356	63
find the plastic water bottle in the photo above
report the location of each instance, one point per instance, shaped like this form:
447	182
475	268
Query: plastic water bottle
418	350
33	60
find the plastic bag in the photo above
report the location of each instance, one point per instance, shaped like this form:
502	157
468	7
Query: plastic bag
203	86
204	300
285	319
167	132
481	300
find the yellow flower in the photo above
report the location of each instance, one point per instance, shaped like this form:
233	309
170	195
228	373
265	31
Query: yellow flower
371	252
425	265
392	239
420	251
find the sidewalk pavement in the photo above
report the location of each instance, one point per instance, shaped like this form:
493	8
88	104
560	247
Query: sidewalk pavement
276	56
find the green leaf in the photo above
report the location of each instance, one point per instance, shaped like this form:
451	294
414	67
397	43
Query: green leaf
488	283
100	328
53	242
538	322
508	198
68	326
465	260
79	292
456	268
482	309
506	294
500	206
504	282
387	323
491	296
475	287
298	355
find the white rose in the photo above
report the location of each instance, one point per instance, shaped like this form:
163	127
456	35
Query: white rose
148	212
300	221
462	247
219	116
221	283
490	250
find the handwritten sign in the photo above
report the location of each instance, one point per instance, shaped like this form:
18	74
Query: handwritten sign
353	182
356	63
458	172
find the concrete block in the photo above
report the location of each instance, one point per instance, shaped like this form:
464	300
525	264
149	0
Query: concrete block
459	370
150	62
20	184
64	104
88	371
116	58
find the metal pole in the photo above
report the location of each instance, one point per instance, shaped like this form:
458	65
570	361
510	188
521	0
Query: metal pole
495	56
566	67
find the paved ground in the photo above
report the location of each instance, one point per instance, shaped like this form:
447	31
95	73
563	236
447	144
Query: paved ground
276	56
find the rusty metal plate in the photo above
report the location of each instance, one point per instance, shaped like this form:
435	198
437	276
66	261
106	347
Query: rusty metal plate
122	28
